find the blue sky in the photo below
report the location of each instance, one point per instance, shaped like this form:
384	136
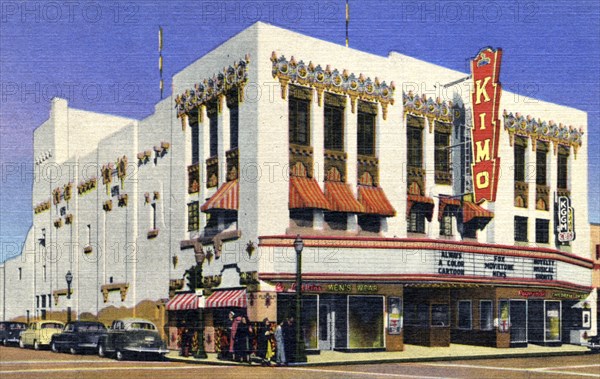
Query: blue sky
102	56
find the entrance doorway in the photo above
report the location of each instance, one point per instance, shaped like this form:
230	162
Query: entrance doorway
326	326
518	323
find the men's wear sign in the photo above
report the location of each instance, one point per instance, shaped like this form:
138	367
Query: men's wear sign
485	135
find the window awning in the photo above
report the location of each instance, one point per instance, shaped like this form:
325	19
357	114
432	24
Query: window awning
374	201
226	197
227	299
183	301
473	212
447	202
341	198
426	202
306	193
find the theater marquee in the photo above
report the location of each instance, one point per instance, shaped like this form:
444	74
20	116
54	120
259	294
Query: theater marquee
485	135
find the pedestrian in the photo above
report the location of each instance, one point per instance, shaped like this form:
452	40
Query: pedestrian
234	322
242	340
289	339
279	339
263	341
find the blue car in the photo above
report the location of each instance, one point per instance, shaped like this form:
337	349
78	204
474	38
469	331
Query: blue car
78	337
11	331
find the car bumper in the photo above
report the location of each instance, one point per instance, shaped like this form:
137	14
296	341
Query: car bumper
593	346
13	340
87	345
153	350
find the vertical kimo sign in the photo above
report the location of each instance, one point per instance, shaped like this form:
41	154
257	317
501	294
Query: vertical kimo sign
485	135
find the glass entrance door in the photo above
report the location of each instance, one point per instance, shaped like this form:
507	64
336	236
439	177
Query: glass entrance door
326	327
518	321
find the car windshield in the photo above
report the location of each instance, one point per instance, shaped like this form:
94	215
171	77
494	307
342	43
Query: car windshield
51	325
91	328
17	326
142	326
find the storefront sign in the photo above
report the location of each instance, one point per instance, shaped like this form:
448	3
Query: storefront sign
529	294
569	296
565	219
329	288
485	101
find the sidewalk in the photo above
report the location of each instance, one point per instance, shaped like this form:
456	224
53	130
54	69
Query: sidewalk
411	353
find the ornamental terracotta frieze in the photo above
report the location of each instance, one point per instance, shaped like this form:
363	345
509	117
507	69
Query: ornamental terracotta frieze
234	76
345	83
434	110
41	207
86	186
529	127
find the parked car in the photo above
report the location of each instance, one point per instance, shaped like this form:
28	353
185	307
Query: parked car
11	331
78	336
132	336
39	333
594	344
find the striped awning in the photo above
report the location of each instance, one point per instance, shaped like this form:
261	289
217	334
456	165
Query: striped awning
427	204
227	299
473	212
226	198
449	202
183	301
341	198
306	193
374	201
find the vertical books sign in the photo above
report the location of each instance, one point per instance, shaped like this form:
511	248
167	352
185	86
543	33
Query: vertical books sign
564	219
485	101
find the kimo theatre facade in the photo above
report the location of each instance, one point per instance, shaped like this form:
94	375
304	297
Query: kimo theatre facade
411	233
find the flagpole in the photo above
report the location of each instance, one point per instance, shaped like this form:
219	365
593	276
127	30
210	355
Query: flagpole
347	21
160	59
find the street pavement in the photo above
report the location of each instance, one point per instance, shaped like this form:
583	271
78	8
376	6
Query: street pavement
18	363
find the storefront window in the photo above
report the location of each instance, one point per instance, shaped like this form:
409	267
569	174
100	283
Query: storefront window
464	314
503	315
309	321
416	315
486	318
440	315
552	320
365	319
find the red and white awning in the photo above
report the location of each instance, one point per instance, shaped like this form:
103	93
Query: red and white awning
341	199
226	198
472	211
306	193
227	299
426	202
183	301
374	201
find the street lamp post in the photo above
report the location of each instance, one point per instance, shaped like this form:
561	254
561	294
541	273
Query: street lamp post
300	349
201	354
69	279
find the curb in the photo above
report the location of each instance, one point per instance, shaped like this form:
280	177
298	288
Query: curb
393	360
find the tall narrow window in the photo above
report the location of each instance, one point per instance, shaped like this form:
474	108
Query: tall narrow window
193	216
20	273
213	121
88	238
195	143
414	140
542	230
442	153
521	229
541	164
562	169
519	155
366	129
446	225
234	118
334	122
44	272
299	121
153	216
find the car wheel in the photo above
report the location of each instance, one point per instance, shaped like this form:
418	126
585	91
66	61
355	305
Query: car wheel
73	351
120	356
36	345
54	348
21	344
5	342
101	351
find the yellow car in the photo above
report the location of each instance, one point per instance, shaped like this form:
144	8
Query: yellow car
39	333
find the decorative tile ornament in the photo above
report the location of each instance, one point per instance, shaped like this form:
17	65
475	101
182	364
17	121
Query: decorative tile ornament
427	107
344	83
529	127
235	76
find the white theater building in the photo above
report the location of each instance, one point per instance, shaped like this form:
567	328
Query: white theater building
274	134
